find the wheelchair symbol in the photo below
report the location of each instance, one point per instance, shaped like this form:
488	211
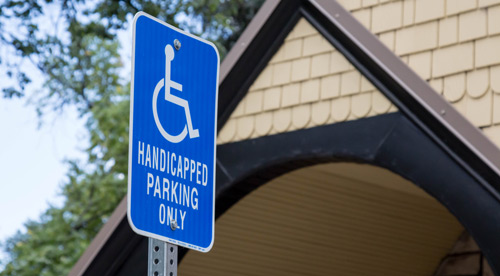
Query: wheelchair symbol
168	83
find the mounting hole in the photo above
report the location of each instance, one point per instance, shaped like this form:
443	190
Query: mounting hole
171	261
157	248
156	273
171	274
177	44
171	249
156	261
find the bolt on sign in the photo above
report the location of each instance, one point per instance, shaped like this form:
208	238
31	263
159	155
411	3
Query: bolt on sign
173	114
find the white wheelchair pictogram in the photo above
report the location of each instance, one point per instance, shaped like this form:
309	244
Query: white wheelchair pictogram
168	83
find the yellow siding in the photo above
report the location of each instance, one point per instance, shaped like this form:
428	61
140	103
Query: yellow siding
332	219
307	83
452	44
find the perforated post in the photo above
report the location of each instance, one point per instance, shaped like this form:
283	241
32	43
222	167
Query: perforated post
162	258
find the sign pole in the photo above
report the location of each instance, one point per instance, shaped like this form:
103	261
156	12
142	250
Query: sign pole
162	258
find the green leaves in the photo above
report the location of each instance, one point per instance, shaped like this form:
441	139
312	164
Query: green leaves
74	47
11	92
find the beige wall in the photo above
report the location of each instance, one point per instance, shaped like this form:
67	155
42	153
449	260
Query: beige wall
453	44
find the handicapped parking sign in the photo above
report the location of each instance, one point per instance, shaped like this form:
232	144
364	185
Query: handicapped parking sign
173	114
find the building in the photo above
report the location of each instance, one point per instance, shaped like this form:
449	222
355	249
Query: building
355	138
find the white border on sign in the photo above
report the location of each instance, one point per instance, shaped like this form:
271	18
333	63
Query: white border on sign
138	231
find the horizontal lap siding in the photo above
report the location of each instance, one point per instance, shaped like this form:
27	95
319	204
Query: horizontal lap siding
333	219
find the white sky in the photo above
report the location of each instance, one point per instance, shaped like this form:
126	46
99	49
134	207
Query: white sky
31	161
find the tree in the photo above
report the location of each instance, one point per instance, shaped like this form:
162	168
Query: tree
83	40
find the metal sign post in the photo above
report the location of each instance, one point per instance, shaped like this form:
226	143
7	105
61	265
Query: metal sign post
162	258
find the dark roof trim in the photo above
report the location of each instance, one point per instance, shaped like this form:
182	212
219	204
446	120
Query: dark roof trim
247	37
391	141
100	239
252	51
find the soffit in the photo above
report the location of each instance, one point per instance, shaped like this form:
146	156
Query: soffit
325	218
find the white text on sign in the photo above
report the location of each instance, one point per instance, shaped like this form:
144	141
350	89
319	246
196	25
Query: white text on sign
169	188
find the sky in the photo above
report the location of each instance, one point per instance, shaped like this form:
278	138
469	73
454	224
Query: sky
32	161
32	158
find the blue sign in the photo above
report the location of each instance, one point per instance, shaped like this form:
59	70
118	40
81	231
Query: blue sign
173	113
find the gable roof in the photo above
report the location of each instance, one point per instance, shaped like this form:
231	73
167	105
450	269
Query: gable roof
250	54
